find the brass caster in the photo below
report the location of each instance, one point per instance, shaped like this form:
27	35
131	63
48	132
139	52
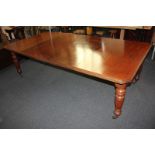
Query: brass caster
115	116
20	73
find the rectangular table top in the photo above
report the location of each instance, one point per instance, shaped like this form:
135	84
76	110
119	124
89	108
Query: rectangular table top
114	60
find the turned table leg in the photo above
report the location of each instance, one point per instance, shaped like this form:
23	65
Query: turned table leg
16	62
120	92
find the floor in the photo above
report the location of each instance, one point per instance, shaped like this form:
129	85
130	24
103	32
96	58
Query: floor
51	98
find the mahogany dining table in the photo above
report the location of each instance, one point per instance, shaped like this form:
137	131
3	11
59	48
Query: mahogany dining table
114	60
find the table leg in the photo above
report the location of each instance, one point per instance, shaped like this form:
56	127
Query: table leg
122	34
16	62
139	72
153	53
89	30
120	92
137	77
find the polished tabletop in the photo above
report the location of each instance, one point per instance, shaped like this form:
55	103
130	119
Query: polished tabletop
109	59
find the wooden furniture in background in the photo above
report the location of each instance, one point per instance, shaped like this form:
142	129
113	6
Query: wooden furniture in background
144	35
5	58
114	60
11	34
113	33
79	31
121	28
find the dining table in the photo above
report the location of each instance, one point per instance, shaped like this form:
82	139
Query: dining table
114	60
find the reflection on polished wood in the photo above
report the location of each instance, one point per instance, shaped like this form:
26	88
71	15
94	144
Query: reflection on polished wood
110	59
114	60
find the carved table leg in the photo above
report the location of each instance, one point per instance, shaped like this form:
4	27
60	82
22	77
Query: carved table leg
119	99
16	62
